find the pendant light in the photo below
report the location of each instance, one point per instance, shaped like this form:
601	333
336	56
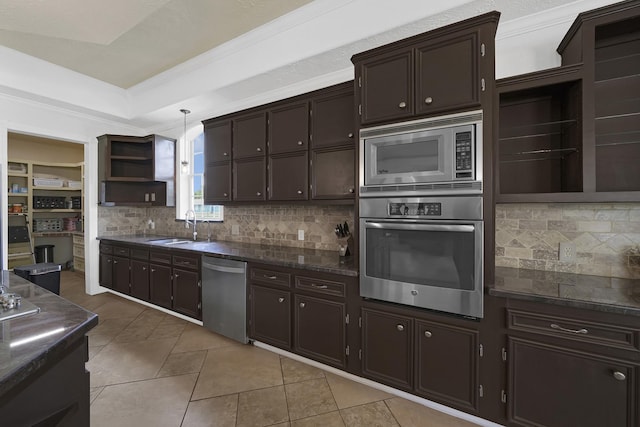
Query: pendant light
184	169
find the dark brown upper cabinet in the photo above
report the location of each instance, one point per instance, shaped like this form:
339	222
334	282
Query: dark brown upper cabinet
217	137
572	133
607	42
332	119
289	127
136	170
250	135
444	70
249	179
288	176
217	178
332	173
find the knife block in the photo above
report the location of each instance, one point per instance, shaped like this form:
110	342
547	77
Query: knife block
346	243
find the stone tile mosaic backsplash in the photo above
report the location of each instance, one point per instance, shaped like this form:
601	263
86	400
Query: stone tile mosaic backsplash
606	237
275	225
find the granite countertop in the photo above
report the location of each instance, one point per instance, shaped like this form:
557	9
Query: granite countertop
307	259
608	294
66	321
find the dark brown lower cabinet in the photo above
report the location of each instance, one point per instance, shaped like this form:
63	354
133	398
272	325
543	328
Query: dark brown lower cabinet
121	275
186	292
447	361
387	348
140	279
320	330
557	387
270	316
106	269
160	285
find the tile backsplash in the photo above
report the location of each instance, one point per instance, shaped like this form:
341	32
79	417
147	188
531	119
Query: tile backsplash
606	237
276	225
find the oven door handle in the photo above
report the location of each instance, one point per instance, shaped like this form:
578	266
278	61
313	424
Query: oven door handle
422	226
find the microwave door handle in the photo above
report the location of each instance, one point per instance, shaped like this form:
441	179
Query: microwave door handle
422	227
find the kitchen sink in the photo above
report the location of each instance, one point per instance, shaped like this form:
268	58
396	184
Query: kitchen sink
167	242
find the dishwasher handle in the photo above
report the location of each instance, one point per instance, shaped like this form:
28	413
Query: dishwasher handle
224	269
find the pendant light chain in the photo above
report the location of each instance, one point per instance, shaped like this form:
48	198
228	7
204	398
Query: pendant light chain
185	162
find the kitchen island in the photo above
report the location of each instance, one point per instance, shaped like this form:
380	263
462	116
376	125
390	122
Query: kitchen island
42	356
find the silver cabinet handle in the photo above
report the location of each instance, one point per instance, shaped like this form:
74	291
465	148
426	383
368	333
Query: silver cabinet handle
108	259
258	194
619	376
350	135
299	191
400	328
258	149
428	100
144	268
302	305
115	262
225	194
572	331
402	105
153	270
225	154
314	285
270	277
176	276
351	190
280	299
428	334
299	142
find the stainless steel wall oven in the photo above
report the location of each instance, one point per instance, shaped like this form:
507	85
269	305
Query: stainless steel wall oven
423	251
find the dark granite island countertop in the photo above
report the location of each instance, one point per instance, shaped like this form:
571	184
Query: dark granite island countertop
607	294
32	345
306	259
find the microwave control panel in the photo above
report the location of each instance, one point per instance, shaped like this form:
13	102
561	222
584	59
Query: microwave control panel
415	209
464	155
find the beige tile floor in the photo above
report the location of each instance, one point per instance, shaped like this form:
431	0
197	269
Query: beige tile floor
149	368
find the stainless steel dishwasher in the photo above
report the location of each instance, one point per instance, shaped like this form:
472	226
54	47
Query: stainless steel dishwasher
224	297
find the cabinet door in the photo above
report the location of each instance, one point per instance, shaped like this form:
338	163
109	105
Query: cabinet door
250	135
386	87
319	330
447	364
270	316
106	270
556	387
289	128
121	275
332	121
160	285
288	177
140	280
217	185
186	292
249	176
387	348
447	75
217	141
333	174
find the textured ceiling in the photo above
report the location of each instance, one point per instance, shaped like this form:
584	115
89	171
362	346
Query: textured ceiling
124	42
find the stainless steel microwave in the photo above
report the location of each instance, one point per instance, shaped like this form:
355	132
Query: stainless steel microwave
441	155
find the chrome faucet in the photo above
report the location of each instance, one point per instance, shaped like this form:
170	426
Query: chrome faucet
192	213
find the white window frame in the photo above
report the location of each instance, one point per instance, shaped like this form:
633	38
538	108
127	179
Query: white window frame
185	200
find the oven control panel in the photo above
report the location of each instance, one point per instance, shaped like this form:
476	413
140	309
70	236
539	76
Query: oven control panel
415	209
463	152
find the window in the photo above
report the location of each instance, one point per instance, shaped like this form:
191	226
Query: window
193	185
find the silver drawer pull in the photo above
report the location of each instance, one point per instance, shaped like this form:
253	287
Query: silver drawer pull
428	334
270	277
299	191
351	190
400	328
350	135
225	154
428	100
258	194
402	105
144	268
258	149
302	305
280	299
313	285
299	142
619	376
225	194
573	331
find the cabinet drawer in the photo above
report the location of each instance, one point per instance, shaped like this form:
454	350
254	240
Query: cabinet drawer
160	257
320	286
106	249
120	251
78	239
270	277
186	261
599	333
78	250
138	253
